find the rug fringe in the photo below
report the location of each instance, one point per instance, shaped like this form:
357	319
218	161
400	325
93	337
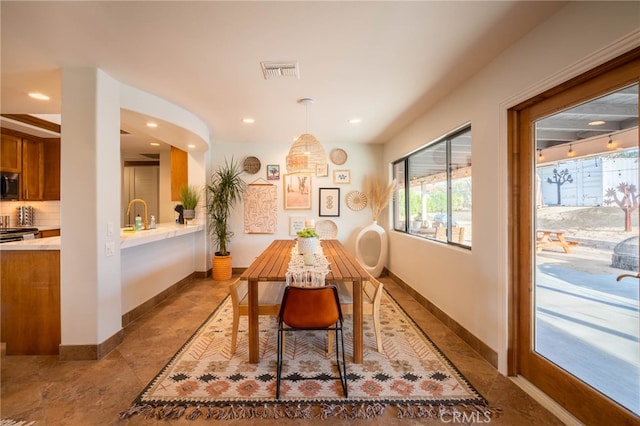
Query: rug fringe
352	411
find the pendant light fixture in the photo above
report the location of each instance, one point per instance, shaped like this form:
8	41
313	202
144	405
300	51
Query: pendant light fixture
306	153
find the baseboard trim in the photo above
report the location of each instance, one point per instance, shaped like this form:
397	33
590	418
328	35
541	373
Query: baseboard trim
96	352
547	402
147	306
90	352
478	345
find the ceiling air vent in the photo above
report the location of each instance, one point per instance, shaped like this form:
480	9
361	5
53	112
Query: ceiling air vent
272	70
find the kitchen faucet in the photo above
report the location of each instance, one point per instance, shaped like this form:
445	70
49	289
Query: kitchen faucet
140	200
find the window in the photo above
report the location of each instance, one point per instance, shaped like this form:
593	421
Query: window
433	195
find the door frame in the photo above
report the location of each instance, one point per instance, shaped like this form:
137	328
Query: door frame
521	159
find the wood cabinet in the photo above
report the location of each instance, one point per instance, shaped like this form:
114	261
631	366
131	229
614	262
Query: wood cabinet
49	233
51	175
38	161
179	172
30	301
11	153
32	170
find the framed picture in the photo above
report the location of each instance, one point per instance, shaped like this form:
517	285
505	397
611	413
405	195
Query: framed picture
297	191
296	223
322	170
273	172
342	176
329	202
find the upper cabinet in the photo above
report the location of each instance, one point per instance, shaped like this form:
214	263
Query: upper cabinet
179	172
32	170
38	161
51	150
11	154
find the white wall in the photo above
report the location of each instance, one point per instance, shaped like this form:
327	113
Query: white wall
149	269
471	286
362	160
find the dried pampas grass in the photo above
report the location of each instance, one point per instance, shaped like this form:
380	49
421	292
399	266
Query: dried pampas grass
378	194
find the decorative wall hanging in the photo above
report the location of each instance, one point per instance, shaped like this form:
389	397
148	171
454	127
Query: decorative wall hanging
356	200
297	191
260	208
306	153
296	223
273	172
338	156
342	176
329	202
251	165
322	170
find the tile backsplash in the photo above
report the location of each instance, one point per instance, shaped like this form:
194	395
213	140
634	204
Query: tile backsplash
45	213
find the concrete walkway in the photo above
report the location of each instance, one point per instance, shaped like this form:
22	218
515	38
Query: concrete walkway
589	324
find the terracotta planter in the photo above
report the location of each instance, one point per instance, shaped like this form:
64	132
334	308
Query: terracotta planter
222	269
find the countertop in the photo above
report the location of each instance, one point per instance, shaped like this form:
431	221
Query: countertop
127	239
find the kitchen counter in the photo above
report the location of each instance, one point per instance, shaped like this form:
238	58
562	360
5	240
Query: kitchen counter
127	239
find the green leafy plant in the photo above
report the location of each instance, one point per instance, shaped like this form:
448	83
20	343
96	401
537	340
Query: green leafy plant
308	233
225	189
189	197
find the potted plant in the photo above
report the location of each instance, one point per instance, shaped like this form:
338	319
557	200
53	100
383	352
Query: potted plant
225	189
417	221
307	241
189	198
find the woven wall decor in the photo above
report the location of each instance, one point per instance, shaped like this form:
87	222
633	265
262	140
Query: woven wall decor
338	156
251	165
356	200
305	155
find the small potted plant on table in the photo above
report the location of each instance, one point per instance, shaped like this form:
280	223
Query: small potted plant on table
307	241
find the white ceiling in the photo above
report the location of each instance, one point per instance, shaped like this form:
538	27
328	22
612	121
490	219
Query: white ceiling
382	62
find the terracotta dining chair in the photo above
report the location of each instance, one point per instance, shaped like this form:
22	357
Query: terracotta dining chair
311	308
269	297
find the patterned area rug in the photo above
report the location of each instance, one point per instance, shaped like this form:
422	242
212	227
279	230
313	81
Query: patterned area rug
410	376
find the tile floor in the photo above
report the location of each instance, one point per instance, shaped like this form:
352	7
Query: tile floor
87	393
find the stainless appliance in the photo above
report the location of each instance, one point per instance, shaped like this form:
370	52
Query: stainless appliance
25	215
9	186
17	234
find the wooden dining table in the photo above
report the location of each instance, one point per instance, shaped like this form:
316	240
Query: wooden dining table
272	265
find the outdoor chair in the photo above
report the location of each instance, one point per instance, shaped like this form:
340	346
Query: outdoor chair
311	308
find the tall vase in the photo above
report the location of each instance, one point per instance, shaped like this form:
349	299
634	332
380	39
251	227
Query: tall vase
371	248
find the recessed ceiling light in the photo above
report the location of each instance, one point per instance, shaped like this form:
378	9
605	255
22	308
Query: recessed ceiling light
355	121
248	120
154	144
596	123
39	96
152	124
191	146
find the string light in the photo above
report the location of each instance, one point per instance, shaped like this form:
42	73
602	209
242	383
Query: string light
610	143
540	157
571	152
